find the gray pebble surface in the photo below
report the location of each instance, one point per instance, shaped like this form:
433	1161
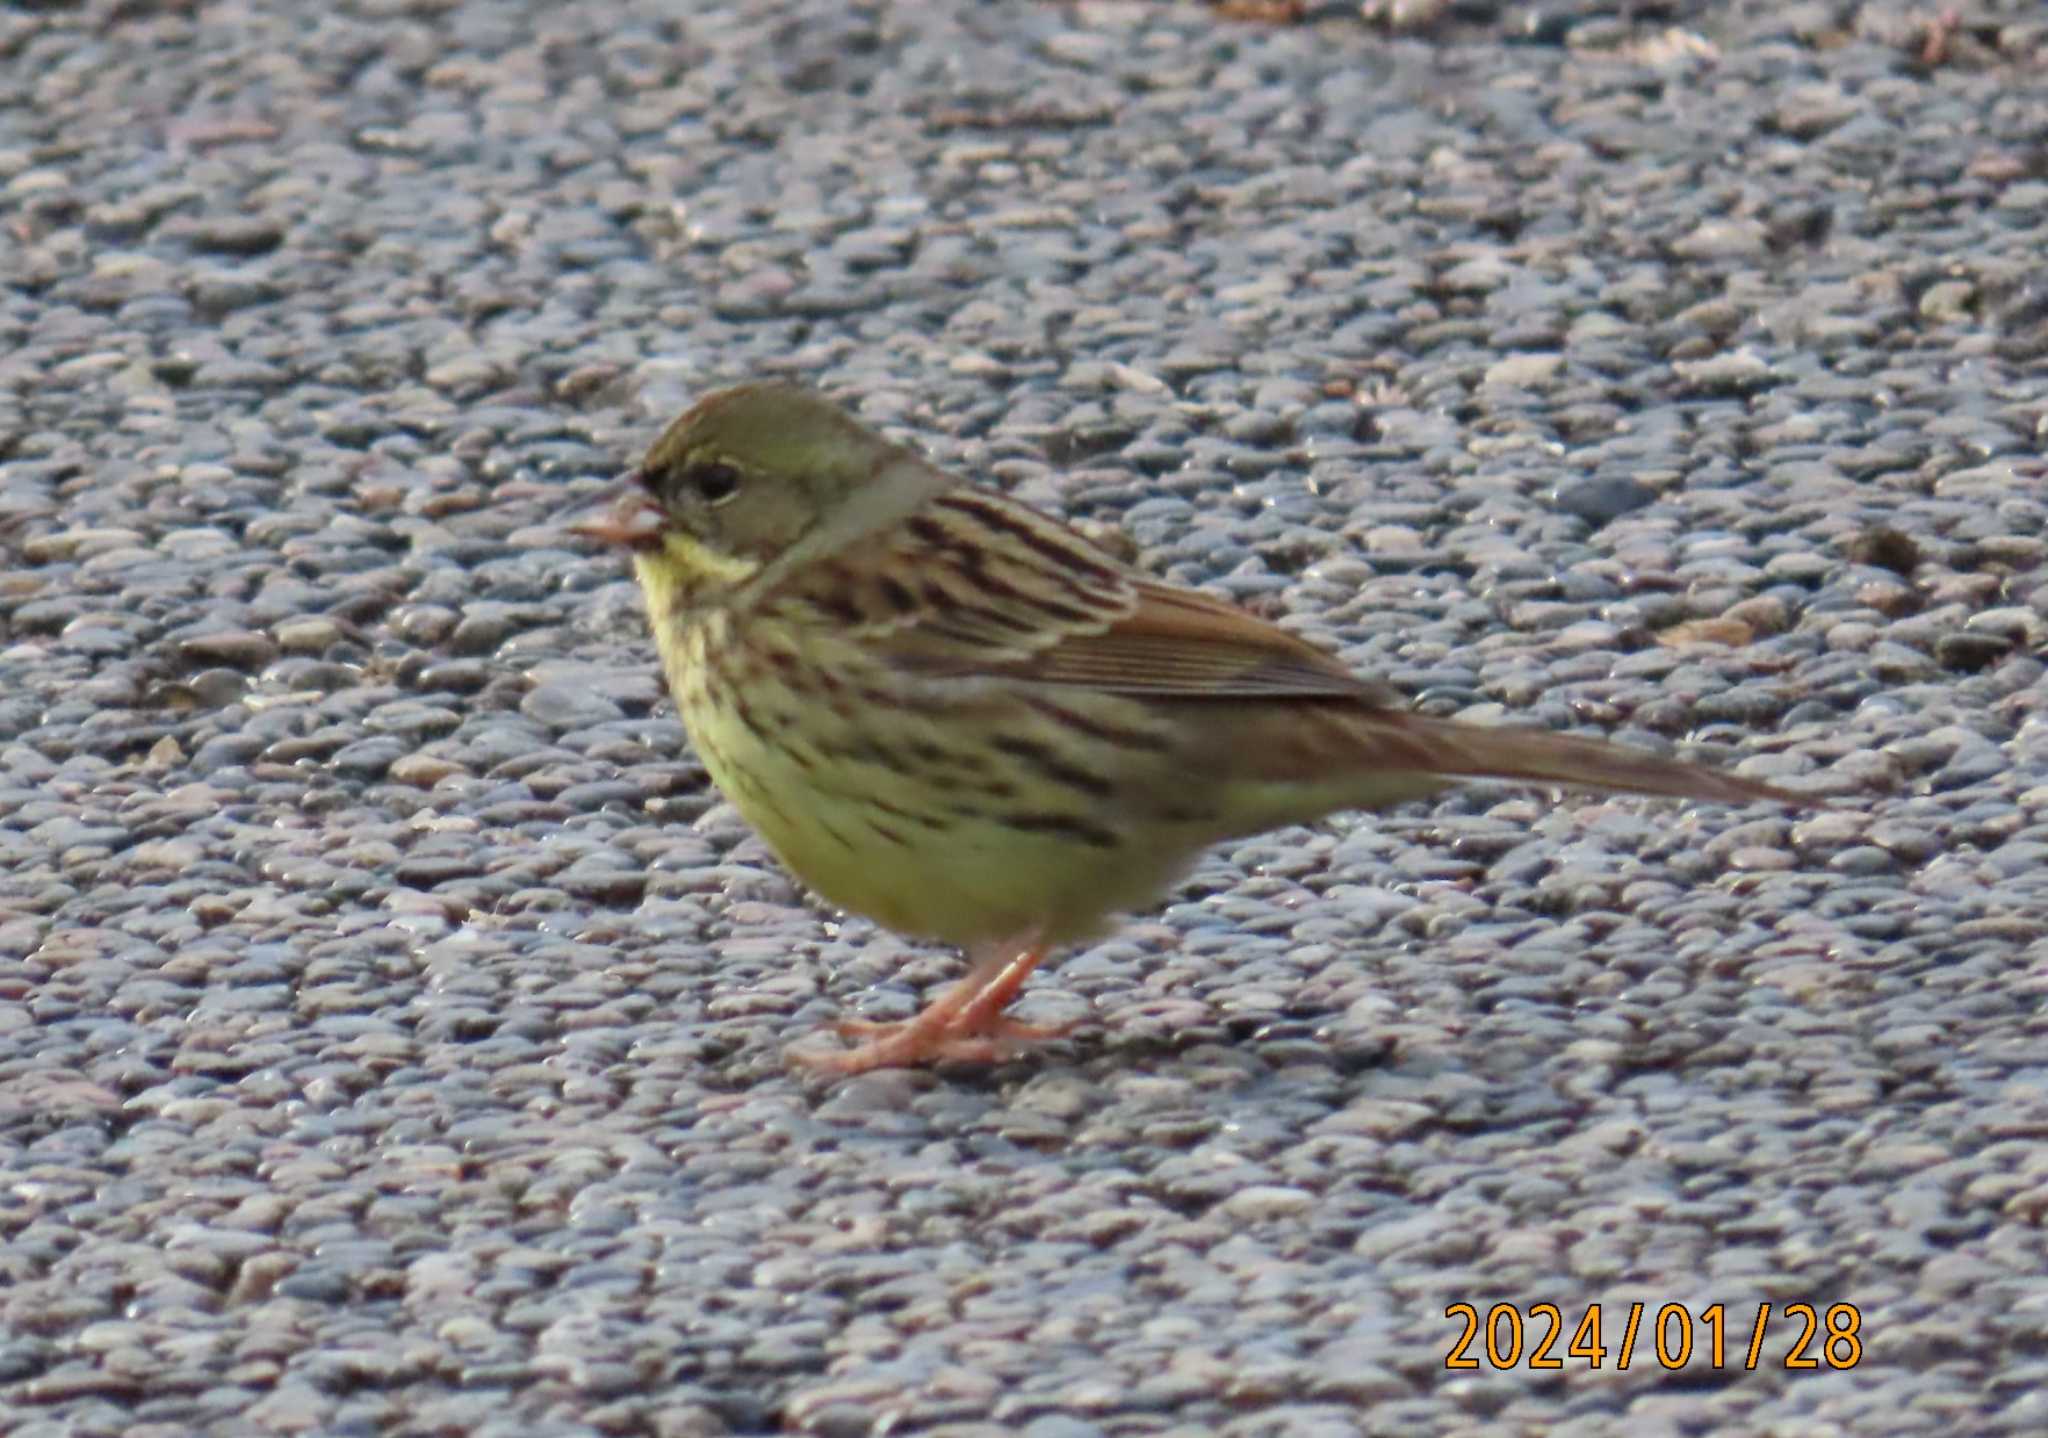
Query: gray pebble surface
393	1025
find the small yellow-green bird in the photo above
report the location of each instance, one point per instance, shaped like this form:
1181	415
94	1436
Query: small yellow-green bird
952	713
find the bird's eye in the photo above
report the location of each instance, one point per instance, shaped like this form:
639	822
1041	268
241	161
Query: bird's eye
714	482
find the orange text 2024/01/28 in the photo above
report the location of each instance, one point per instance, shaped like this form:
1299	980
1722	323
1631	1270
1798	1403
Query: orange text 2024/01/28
1540	1336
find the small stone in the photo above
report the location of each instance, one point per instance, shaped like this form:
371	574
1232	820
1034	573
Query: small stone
1392	539
1885	547
1764	614
2013	623
1723	240
423	770
307	636
367	758
1602	499
1525	371
479	633
76	544
569	706
240	235
1264	1201
1948	302
1971	650
1730	632
239	648
1739	373
1863	861
423	623
1810	111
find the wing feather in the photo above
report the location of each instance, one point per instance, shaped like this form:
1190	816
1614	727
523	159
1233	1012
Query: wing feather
975	584
1184	644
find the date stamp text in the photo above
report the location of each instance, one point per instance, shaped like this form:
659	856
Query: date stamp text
1672	1336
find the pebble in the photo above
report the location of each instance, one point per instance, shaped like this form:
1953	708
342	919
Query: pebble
241	649
306	636
1264	1202
565	706
1527	371
1601	500
424	770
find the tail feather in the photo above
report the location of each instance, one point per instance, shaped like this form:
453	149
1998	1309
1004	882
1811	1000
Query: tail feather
1537	756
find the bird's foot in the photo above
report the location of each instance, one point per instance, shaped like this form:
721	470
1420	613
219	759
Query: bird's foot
911	1042
963	1025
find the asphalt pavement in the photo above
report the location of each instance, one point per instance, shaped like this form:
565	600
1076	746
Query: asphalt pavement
393	1027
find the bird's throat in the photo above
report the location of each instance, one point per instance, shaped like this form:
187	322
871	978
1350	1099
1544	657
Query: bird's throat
685	575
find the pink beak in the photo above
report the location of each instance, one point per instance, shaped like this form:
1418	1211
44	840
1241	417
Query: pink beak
635	522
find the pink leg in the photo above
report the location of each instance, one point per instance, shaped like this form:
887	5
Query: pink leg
965	1024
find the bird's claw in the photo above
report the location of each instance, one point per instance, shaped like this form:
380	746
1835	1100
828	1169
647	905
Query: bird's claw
916	1041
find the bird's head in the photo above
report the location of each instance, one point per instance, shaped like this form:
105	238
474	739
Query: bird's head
753	480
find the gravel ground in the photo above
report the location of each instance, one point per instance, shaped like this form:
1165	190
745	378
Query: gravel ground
392	1024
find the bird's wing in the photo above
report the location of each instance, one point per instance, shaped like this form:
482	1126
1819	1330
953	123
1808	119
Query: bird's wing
978	587
975	584
1183	643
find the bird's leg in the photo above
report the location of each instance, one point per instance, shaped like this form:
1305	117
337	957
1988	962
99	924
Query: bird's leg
965	1024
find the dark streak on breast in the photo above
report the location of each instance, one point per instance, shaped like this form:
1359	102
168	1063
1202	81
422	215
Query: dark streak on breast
897	594
863	751
929	532
882	698
1051	766
801	677
833	834
1143	739
836	605
743	711
897	811
755	790
1064	825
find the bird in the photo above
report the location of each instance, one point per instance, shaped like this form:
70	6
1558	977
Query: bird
949	711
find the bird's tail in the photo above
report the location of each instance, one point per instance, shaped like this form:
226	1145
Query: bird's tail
1537	756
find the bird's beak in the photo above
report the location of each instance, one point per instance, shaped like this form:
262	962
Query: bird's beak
634	521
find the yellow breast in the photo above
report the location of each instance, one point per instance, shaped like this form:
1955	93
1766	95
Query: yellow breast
925	808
